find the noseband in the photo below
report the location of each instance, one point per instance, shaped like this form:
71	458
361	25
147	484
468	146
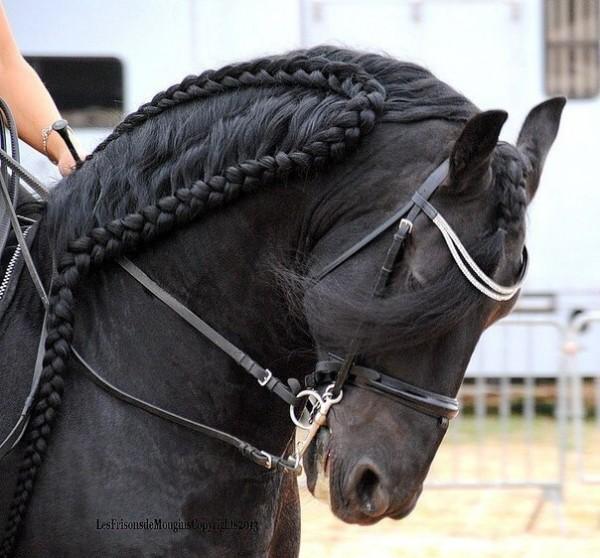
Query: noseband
326	382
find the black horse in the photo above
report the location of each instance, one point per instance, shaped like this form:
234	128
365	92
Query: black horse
316	148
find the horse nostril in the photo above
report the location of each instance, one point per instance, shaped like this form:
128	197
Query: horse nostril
366	483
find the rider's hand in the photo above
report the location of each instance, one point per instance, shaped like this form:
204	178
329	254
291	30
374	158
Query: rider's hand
66	163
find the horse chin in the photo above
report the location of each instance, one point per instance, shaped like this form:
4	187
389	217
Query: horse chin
317	467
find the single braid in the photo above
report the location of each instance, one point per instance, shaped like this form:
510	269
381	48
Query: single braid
511	188
120	236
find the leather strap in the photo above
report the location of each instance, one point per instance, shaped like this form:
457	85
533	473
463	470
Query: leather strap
355	248
7	202
14	220
420	399
19	171
432	182
263	376
259	457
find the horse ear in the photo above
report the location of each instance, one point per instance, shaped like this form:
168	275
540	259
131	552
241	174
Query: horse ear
536	137
471	154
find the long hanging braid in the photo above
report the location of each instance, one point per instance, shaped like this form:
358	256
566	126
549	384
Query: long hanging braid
365	101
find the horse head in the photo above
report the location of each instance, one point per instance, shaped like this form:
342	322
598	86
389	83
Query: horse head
373	456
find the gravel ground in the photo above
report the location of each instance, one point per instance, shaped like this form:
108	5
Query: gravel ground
491	523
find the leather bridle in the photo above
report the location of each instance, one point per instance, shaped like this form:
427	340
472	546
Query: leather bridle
330	376
340	371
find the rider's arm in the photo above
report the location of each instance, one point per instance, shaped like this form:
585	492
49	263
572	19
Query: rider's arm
29	100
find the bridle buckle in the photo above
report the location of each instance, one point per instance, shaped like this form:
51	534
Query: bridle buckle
269	463
264	381
407	223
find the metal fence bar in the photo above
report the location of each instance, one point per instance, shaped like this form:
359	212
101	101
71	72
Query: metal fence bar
574	348
480	412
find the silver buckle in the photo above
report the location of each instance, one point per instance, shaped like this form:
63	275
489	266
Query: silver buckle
408	223
269	464
265	380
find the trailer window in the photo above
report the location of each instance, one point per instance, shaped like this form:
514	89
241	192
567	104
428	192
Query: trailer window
88	91
572	39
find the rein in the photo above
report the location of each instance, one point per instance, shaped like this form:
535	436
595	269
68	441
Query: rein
8	202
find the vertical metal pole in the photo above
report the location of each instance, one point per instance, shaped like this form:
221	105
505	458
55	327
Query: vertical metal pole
561	415
480	412
529	402
504	406
571	349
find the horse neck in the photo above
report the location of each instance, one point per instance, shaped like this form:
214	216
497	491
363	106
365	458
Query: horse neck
222	268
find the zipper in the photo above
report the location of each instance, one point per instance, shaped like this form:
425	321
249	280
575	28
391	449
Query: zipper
11	267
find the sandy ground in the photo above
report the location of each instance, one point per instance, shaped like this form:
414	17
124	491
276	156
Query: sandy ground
481	523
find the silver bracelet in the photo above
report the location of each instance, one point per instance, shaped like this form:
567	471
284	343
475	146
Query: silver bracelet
46	134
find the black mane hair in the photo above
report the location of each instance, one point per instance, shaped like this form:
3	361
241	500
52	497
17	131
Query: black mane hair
150	156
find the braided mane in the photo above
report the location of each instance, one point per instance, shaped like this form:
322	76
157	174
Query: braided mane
197	146
251	116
